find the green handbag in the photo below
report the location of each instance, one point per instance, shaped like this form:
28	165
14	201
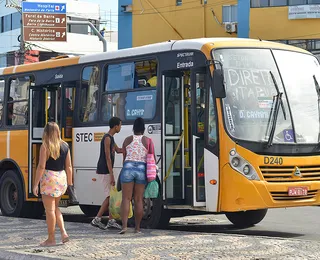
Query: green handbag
152	190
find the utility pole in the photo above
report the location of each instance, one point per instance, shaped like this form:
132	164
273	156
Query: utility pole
22	47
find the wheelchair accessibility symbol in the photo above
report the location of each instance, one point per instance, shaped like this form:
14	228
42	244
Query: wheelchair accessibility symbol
288	135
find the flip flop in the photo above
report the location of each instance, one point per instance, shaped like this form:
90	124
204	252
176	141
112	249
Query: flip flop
123	231
65	240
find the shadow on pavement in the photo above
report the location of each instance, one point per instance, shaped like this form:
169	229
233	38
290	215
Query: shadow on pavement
230	229
214	228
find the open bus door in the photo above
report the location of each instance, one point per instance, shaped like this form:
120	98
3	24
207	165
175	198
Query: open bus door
43	107
49	103
184	98
198	92
172	137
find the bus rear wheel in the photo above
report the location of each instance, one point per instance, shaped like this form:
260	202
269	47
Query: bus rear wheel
11	194
154	215
247	218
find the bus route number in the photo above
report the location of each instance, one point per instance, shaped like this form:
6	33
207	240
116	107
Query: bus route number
273	160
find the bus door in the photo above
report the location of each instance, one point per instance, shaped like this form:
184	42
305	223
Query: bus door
196	133
43	107
173	137
68	98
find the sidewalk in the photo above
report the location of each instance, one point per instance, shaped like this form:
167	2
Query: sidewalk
19	239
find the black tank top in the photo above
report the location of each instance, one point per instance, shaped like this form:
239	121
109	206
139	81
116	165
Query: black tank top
102	167
59	164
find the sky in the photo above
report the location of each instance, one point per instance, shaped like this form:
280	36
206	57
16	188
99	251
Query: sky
105	7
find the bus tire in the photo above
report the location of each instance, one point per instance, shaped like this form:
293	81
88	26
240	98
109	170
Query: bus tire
89	210
154	215
11	194
249	218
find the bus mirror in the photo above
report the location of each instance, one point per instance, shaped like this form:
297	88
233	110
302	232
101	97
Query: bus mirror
218	84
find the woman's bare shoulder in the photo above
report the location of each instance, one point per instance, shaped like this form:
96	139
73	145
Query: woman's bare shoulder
128	140
145	141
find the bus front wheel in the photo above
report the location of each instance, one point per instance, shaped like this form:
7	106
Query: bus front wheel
247	218
11	194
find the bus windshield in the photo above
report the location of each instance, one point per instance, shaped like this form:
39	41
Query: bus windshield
251	77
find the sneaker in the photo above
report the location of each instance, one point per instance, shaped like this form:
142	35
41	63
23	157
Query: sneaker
113	224
97	223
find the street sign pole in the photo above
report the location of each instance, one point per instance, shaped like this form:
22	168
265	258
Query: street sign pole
104	42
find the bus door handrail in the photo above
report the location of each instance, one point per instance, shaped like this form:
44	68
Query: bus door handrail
174	157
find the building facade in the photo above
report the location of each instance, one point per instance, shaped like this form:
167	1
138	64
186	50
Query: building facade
148	21
293	22
80	38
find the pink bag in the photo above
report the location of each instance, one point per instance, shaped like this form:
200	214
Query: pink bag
151	164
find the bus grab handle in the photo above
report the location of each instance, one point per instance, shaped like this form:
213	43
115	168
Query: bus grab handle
174	157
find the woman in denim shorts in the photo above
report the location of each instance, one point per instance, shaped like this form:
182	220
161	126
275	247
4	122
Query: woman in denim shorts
133	174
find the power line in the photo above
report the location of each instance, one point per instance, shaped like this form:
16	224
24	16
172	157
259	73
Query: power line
178	6
168	6
178	9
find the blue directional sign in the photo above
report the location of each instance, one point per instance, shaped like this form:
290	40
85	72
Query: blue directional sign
44	21
38	7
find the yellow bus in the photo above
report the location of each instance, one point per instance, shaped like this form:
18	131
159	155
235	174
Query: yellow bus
235	124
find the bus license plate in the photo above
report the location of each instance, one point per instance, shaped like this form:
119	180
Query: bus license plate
63	203
298	191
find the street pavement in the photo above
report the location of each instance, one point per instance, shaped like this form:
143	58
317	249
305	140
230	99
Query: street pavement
20	238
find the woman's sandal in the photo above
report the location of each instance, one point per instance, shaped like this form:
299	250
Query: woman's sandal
65	240
123	231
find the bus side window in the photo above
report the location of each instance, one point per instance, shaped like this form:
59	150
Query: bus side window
89	94
17	105
2	83
212	125
120	100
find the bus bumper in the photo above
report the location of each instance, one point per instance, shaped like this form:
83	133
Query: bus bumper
237	193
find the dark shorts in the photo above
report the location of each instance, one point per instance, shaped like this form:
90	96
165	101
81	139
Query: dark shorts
133	172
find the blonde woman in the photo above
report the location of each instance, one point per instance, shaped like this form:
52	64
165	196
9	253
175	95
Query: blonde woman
53	171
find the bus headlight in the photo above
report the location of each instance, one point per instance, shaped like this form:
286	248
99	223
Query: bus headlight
240	165
235	161
246	169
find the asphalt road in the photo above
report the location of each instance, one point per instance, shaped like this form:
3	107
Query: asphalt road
296	223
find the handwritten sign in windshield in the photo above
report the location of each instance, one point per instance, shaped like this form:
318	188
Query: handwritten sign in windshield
249	86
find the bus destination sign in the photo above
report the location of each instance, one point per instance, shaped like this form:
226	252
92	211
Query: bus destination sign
44	21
